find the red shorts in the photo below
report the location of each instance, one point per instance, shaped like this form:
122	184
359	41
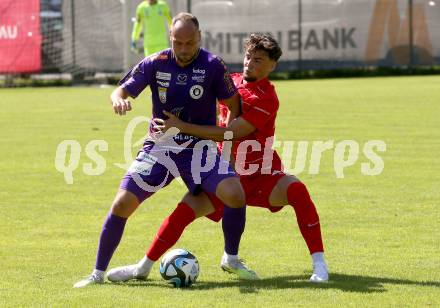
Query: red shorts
257	189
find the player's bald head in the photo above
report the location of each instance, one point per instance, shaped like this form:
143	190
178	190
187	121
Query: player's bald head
185	37
184	21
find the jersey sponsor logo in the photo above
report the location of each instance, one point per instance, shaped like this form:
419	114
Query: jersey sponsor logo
163	76
198	71
162	95
181	79
143	164
165	84
199	78
196	91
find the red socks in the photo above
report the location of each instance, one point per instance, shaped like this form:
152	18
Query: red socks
298	196
306	216
171	230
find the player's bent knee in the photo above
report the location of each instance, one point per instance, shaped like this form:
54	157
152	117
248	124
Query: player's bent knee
200	204
230	192
124	204
305	209
279	193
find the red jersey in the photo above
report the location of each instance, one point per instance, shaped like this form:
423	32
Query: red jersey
259	106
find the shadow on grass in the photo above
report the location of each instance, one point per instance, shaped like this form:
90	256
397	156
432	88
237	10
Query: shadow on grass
343	282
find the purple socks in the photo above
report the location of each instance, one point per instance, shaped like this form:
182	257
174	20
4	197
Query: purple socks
233	223
111	235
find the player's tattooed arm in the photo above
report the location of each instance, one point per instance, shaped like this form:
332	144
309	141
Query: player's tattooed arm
238	126
233	104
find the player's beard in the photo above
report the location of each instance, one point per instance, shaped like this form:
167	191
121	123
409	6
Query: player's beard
249	78
185	60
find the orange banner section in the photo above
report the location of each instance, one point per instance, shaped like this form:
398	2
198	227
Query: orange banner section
387	26
20	38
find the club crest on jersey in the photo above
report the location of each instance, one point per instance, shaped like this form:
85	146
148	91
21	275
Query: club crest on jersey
196	91
162	95
181	79
163	76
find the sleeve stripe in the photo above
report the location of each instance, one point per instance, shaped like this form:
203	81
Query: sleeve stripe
261	90
262	110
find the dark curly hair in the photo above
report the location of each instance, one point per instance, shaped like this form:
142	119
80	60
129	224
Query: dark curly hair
263	42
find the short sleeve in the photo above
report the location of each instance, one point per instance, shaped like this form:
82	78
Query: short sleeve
136	80
260	112
224	86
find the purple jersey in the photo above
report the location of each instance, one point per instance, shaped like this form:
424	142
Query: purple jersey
189	92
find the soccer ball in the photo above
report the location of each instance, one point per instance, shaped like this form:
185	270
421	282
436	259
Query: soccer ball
180	268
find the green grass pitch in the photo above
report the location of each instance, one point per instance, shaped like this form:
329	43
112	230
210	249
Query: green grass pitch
381	233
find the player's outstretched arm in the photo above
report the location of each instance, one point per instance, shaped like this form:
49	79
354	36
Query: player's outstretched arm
119	100
238	126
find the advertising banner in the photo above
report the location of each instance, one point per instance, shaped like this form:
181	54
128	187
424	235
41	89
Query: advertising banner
20	39
326	33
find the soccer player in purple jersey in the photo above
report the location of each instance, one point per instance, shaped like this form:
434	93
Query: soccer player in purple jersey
187	81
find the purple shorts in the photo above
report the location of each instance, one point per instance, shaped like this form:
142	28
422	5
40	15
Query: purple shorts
201	169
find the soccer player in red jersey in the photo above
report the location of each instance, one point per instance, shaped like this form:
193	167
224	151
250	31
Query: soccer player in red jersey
261	172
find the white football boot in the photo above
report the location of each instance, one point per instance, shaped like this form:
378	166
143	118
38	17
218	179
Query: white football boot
90	280
237	267
320	273
126	273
